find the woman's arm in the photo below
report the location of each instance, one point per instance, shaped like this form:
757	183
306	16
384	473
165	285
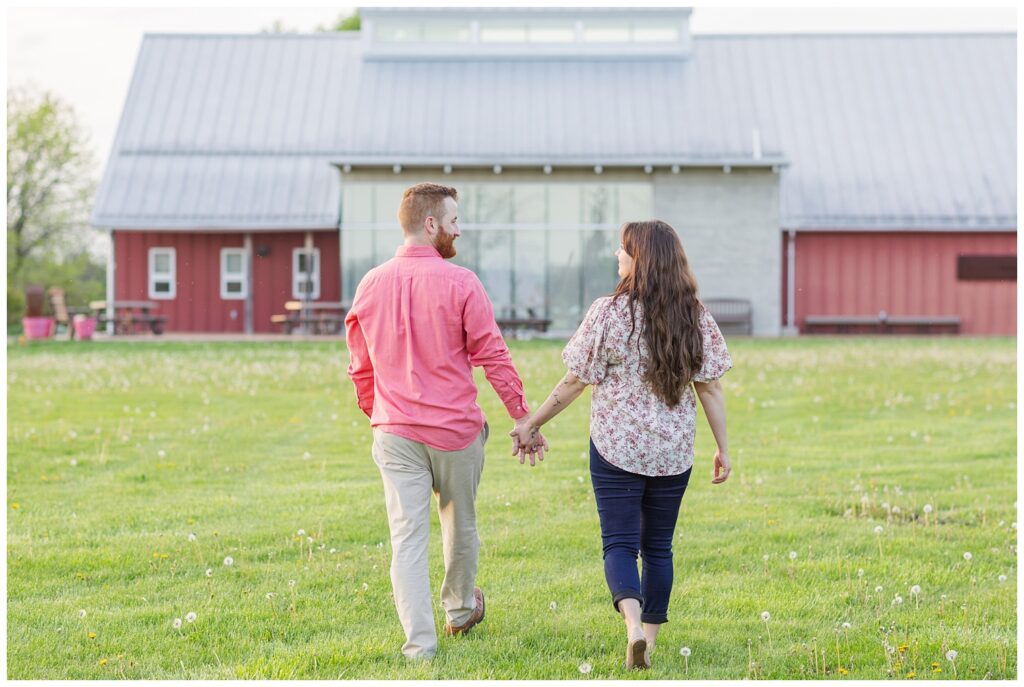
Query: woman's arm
712	399
524	437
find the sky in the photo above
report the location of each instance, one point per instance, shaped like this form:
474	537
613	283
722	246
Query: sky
86	54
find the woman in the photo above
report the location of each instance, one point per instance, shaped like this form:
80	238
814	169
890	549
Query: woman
642	348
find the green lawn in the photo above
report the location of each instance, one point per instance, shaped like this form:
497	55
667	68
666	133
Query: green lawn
117	452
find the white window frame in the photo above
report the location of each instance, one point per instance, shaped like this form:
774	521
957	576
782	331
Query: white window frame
227	277
299	277
170	277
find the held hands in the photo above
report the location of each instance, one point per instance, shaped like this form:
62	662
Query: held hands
527	441
722	467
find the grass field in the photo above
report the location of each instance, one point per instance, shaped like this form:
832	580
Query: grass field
117	453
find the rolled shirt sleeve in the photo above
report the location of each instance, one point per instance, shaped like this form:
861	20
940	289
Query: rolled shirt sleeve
717	360
487	349
360	367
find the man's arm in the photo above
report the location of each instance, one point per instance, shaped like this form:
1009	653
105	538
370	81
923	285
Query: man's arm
360	368
487	349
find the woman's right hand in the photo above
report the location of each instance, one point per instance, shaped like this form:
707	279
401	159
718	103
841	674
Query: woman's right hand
722	467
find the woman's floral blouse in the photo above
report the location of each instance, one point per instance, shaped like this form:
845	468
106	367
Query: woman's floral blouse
631	427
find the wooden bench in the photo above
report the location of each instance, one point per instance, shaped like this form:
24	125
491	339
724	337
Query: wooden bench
511	324
316	317
130	316
733	315
882	323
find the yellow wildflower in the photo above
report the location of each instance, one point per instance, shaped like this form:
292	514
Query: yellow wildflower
15	506
911	675
103	661
843	671
92	635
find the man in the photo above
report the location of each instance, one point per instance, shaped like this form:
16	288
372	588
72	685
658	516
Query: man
417	326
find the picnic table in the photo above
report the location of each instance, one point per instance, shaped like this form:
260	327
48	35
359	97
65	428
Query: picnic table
315	317
511	322
130	316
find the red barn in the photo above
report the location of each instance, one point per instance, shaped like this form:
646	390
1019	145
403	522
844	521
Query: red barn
818	178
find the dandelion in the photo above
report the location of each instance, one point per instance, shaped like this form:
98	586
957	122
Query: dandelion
1002	578
365	586
951	657
209	572
585	668
846	626
302	533
306	456
765	616
82	613
103	661
229	561
765	558
334	550
73	462
879	529
177	623
161	453
92	635
685	653
927	508
860	572
191	536
291	583
190	617
270	595
553	606
792	555
309	540
968	556
897	600
896	510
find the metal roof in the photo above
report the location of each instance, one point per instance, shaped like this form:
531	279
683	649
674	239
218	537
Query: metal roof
880	131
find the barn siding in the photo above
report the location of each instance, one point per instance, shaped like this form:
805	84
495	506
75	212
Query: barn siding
909	273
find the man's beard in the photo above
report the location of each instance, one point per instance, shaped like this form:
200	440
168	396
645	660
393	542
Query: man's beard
445	244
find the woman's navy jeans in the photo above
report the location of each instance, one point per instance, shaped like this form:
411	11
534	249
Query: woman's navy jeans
638	516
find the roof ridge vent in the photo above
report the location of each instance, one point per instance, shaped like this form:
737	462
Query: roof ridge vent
525	33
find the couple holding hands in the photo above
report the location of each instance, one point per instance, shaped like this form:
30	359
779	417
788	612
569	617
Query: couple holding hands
419	324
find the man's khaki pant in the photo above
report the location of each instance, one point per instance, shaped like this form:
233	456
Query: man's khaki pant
411	470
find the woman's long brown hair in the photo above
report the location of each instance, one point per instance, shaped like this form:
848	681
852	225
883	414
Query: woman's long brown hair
664	285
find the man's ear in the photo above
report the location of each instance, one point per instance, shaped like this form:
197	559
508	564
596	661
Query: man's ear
430	225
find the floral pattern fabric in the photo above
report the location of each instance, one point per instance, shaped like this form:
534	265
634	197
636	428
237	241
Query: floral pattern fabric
631	427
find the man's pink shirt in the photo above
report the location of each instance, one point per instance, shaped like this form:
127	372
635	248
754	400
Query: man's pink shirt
417	327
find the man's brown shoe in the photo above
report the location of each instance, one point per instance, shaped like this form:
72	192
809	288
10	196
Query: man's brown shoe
475	617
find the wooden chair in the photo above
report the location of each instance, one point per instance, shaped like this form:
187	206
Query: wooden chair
60	315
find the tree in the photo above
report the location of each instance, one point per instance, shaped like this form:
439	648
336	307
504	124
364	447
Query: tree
349	23
50	183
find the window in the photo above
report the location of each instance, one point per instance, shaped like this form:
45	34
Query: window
161	274
305	274
551	33
986	267
502	32
234	277
606	32
654	32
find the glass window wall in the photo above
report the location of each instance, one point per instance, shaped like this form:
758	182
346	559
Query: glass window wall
545	248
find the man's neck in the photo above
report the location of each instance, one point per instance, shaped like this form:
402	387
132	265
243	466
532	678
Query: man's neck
418	240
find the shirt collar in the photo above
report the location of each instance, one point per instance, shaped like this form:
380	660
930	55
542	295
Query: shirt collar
416	252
